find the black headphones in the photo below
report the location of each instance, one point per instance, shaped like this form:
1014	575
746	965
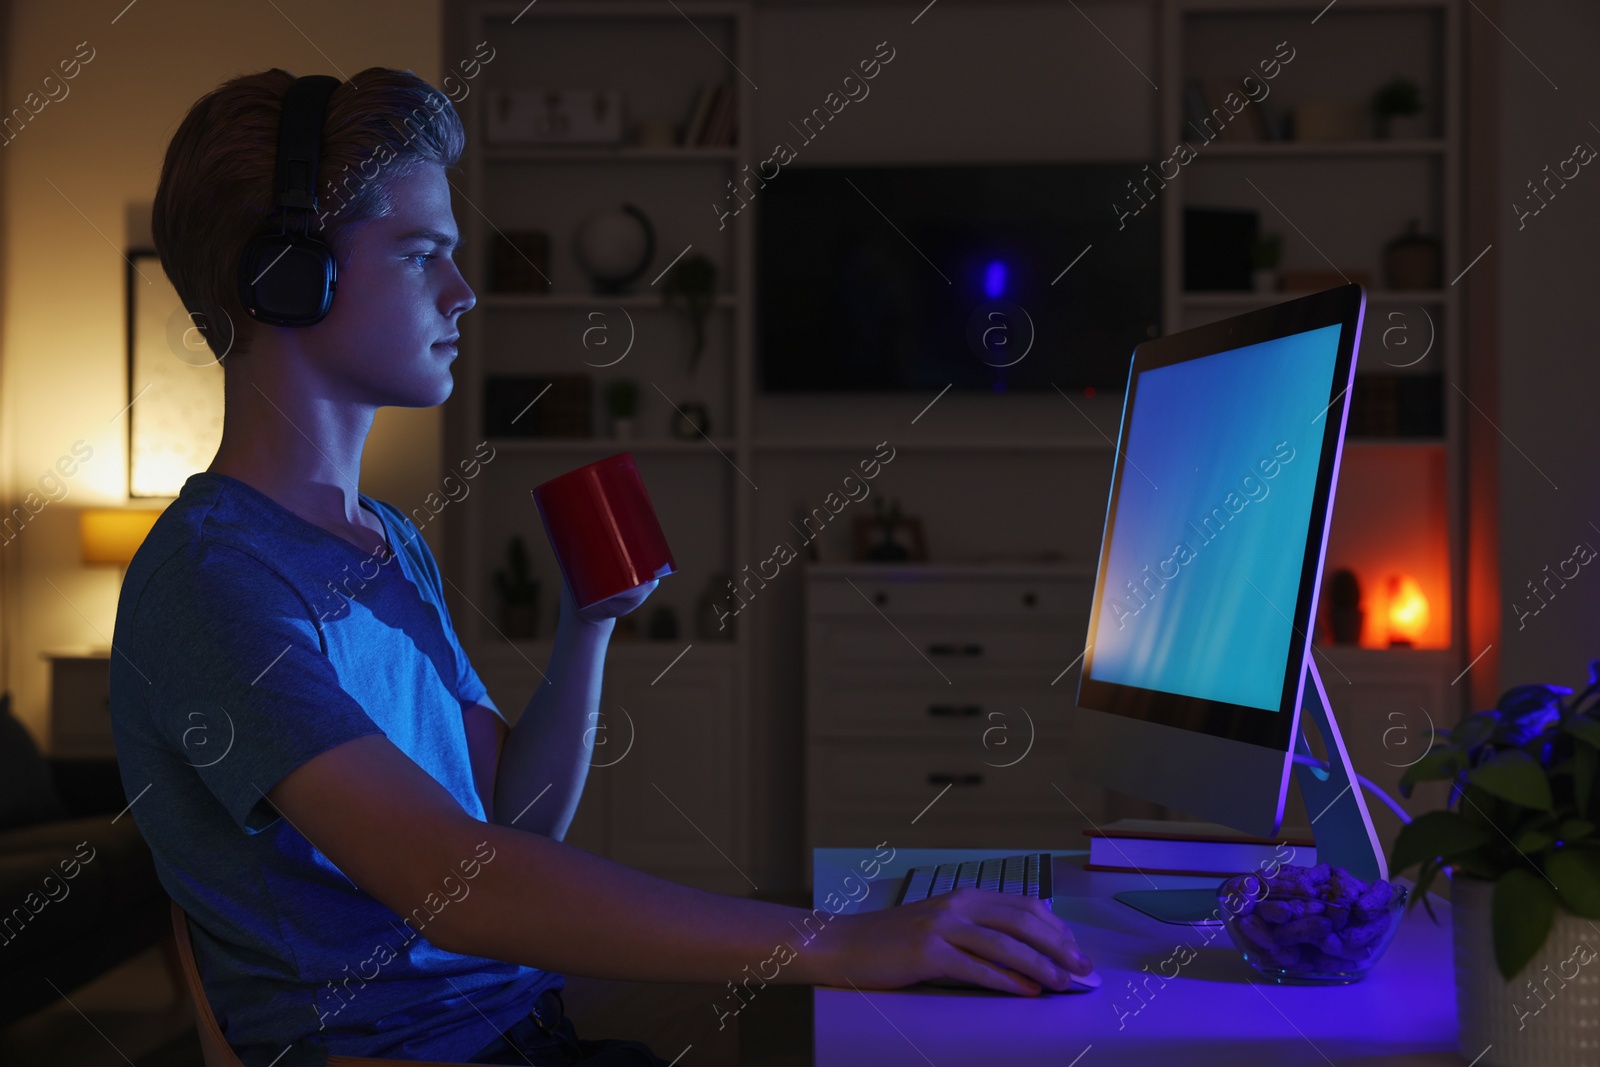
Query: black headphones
288	279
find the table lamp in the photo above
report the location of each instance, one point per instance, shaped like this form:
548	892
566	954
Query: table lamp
1408	611
112	535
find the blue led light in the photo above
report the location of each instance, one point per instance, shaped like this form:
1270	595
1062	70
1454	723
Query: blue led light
994	280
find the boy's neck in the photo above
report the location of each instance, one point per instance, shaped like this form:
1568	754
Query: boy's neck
335	508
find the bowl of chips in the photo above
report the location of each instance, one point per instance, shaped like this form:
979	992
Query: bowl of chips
1318	924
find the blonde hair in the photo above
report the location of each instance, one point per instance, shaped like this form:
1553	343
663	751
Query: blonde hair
216	187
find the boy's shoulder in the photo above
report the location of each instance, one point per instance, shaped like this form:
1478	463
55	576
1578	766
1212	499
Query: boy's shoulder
221	537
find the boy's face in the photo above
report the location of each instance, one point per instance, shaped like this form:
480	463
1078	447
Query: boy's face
398	295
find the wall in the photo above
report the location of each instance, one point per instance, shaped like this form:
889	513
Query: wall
78	182
1549	452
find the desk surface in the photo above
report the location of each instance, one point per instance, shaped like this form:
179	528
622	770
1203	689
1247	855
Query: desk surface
1217	1011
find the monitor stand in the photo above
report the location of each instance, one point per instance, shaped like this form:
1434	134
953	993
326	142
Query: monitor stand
1341	825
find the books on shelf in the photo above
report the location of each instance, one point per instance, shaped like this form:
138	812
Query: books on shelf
712	119
1209	113
1162	846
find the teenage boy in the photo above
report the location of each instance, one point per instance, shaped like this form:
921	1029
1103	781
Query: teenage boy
370	857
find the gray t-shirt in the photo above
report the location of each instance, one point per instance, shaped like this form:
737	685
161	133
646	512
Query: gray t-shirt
248	640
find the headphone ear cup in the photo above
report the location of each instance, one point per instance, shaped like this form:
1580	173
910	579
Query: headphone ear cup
286	279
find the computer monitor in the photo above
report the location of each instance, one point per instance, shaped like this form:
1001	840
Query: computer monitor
1199	658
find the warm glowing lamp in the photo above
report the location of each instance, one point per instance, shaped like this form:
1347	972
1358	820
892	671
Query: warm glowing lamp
1408	611
112	535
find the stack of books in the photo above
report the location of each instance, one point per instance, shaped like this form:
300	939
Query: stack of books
1208	116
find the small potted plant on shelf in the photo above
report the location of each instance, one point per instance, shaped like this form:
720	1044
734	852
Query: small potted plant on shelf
692	284
622	403
1397	106
1519	837
1265	253
519	594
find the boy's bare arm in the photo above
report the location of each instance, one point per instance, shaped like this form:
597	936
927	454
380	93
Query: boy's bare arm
544	761
400	836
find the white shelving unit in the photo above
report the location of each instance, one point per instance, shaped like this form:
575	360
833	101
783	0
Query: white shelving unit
796	448
1344	199
685	710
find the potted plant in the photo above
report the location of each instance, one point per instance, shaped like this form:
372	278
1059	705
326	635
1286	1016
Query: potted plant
1265	253
519	594
692	284
1519	836
621	398
1397	106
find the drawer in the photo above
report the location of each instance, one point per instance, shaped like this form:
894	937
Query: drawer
949	643
1017	599
847	777
990	717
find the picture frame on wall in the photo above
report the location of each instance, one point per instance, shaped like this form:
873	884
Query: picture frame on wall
174	408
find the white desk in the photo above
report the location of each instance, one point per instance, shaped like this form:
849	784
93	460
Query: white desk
1217	1011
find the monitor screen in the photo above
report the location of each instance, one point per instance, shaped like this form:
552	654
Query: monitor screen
1206	540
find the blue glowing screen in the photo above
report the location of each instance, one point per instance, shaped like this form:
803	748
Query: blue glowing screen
994	280
1209	536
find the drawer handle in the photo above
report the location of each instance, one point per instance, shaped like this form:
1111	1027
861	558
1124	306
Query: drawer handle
955	650
951	711
955	779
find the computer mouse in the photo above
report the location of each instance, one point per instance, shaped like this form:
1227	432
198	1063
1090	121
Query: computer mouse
1079	983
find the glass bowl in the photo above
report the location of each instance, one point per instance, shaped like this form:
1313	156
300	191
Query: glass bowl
1292	935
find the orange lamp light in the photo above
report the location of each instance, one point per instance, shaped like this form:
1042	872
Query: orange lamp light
1408	611
112	535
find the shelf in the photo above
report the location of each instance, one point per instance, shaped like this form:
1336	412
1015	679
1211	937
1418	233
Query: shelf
1250	299
570	301
998	569
534	445
597	154
1321	149
500	651
1396	442
1358	654
939	445
1278	7
573	9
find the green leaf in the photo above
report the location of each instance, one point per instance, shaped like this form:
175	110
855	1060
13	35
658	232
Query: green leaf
1584	729
1576	873
1439	763
1474	730
1585	761
1535	839
1434	835
1478	865
1515	776
1573	829
1523	910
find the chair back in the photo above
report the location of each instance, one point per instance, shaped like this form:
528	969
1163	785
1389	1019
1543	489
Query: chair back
214	1047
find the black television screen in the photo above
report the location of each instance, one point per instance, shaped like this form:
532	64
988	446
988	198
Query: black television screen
918	277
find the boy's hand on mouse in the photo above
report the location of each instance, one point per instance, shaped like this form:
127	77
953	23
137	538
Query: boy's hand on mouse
1002	941
610	608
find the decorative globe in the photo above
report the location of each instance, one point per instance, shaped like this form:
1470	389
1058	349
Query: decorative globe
615	247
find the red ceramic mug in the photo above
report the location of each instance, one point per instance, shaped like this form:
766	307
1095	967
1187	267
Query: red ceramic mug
603	529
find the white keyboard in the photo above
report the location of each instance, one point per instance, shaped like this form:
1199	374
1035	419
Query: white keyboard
1027	874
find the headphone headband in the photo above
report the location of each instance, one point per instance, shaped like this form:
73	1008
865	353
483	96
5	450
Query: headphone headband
300	141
